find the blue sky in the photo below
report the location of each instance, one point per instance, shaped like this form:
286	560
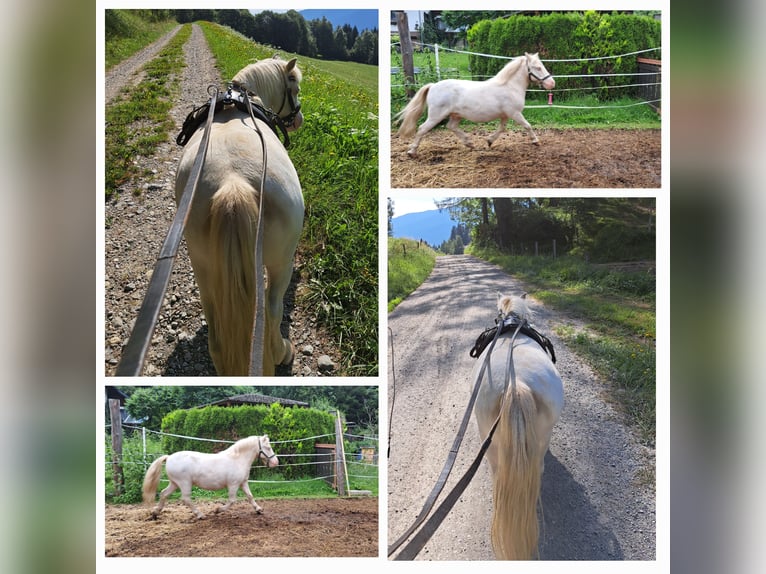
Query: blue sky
405	205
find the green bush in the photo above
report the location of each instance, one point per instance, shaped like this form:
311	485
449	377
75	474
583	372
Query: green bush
233	423
565	36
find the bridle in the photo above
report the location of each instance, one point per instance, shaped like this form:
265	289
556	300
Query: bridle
295	107
264	453
534	77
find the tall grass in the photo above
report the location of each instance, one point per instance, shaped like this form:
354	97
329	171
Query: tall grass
126	33
409	264
336	155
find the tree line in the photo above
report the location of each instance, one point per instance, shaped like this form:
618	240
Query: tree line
359	404
598	229
291	32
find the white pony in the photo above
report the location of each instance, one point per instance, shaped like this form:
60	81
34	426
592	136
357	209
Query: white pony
501	96
221	228
528	407
227	469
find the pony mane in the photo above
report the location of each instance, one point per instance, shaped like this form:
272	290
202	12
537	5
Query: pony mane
512	305
266	78
509	70
243	444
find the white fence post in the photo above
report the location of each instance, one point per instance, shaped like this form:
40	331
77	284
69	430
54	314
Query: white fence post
438	67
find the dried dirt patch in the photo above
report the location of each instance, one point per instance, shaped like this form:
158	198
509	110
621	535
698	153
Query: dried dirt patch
308	527
573	158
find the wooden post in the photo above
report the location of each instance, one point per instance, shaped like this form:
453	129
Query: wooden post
116	419
408	65
554	249
340	458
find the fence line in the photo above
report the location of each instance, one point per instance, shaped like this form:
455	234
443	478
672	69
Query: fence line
349	459
436	48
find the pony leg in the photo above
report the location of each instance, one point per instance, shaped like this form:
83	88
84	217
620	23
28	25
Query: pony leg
519	119
453	125
496	134
280	350
232	499
427	126
167	491
246	489
186	499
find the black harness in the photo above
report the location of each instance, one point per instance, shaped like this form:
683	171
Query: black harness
526	329
234	96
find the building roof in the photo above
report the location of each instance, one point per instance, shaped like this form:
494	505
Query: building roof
254	399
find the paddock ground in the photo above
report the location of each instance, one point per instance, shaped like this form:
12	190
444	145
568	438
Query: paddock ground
572	158
303	527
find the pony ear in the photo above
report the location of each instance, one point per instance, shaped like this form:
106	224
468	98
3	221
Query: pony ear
291	64
499	295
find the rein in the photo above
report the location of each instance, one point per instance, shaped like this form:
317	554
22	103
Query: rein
134	352
424	535
258	339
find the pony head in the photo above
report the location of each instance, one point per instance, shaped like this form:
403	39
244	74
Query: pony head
266	453
537	72
513	305
277	83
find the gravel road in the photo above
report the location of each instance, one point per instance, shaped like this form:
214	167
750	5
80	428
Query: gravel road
136	224
595	506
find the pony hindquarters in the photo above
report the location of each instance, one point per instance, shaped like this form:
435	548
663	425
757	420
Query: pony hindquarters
517	477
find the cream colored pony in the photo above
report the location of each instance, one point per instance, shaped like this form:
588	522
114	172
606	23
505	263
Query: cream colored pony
501	96
221	228
227	469
526	390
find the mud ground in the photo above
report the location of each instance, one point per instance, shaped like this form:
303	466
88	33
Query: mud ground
573	158
308	527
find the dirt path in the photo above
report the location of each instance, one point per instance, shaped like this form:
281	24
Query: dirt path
136	224
595	506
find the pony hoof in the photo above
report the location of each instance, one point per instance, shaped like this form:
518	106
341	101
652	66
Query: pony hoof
412	154
259	510
288	360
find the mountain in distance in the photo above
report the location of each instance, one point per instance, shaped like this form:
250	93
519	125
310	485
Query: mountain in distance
433	227
362	19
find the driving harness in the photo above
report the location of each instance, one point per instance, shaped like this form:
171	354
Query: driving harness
508	325
233	96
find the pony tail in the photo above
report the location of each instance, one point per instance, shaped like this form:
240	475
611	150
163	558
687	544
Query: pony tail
517	479
233	217
411	113
152	478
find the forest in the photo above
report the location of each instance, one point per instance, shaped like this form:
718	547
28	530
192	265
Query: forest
596	229
288	31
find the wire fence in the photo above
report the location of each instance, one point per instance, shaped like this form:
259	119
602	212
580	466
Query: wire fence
640	82
360	464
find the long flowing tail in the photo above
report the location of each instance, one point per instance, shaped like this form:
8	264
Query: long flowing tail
233	220
152	478
411	113
517	478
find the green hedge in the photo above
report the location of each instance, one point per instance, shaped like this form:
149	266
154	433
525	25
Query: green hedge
233	423
570	35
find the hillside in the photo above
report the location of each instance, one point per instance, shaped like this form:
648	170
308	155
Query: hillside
433	226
